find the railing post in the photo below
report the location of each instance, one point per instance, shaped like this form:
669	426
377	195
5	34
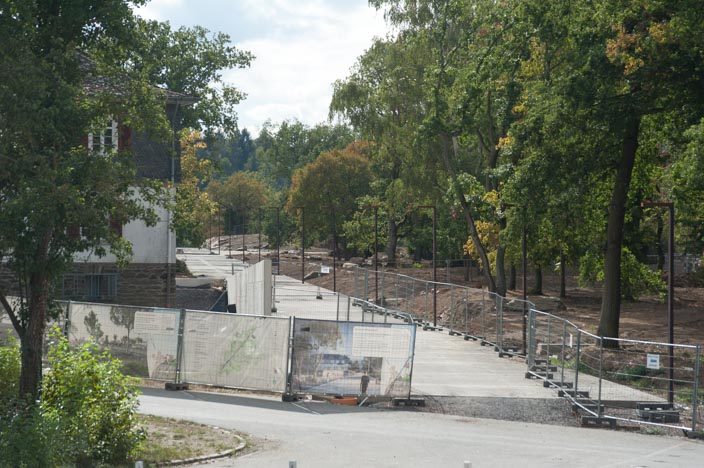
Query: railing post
695	393
562	369
576	365
532	330
466	310
547	352
179	345
499	302
601	367
67	323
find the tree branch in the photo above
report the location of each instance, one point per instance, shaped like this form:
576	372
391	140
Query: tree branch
11	313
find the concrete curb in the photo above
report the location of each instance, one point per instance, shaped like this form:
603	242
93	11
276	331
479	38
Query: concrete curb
242	444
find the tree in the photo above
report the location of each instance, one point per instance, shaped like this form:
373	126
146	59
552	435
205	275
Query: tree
49	182
241	196
327	190
190	61
383	100
192	205
283	148
642	58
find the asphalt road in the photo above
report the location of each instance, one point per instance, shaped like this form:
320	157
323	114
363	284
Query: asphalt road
320	435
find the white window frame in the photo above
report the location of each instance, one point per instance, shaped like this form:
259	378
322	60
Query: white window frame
112	125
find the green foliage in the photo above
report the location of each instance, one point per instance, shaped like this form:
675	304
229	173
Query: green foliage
9	371
637	279
91	402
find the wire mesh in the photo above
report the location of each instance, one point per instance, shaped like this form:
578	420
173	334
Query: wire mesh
352	358
144	339
234	350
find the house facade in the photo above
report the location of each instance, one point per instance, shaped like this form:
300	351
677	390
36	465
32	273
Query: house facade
149	278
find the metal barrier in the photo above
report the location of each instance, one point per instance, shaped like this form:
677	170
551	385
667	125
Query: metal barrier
256	352
611	380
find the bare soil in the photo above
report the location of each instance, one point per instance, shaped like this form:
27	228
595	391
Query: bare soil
643	319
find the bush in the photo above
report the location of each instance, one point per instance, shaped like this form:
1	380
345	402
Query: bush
91	402
9	371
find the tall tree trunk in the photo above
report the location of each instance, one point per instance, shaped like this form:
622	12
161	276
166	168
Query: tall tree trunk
512	277
611	296
538	289
563	276
500	270
390	249
486	265
33	339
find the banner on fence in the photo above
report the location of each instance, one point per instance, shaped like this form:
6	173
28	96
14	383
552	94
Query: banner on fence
352	358
144	339
234	350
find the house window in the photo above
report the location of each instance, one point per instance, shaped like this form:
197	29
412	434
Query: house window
90	287
104	140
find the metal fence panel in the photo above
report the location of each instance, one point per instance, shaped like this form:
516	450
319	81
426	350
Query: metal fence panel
351	358
233	350
144	339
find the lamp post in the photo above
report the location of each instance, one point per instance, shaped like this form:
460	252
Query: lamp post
524	259
435	297
670	292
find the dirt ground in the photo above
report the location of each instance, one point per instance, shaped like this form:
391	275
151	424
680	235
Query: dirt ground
644	319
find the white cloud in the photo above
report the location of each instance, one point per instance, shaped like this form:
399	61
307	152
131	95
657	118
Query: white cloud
302	47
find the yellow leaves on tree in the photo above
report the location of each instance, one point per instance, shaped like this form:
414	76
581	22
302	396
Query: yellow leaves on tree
489	237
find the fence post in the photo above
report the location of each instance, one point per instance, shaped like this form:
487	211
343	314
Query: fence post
426	298
576	365
601	367
383	280
356	282
499	322
695	393
337	310
562	369
366	285
349	300
67	323
413	356
547	352
453	307
179	345
466	310
273	295
532	328
289	356
482	326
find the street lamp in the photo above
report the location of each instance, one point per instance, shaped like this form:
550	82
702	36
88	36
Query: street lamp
376	251
670	292
435	298
524	255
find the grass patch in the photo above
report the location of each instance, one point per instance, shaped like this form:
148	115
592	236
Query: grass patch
173	439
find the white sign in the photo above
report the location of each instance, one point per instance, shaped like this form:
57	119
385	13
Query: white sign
653	361
155	323
325	270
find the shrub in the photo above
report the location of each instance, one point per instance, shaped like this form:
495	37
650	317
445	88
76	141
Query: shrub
9	371
91	402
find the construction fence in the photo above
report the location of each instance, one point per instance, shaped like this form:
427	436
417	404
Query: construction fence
255	352
608	380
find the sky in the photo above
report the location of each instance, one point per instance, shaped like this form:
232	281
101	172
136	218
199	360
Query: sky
301	48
